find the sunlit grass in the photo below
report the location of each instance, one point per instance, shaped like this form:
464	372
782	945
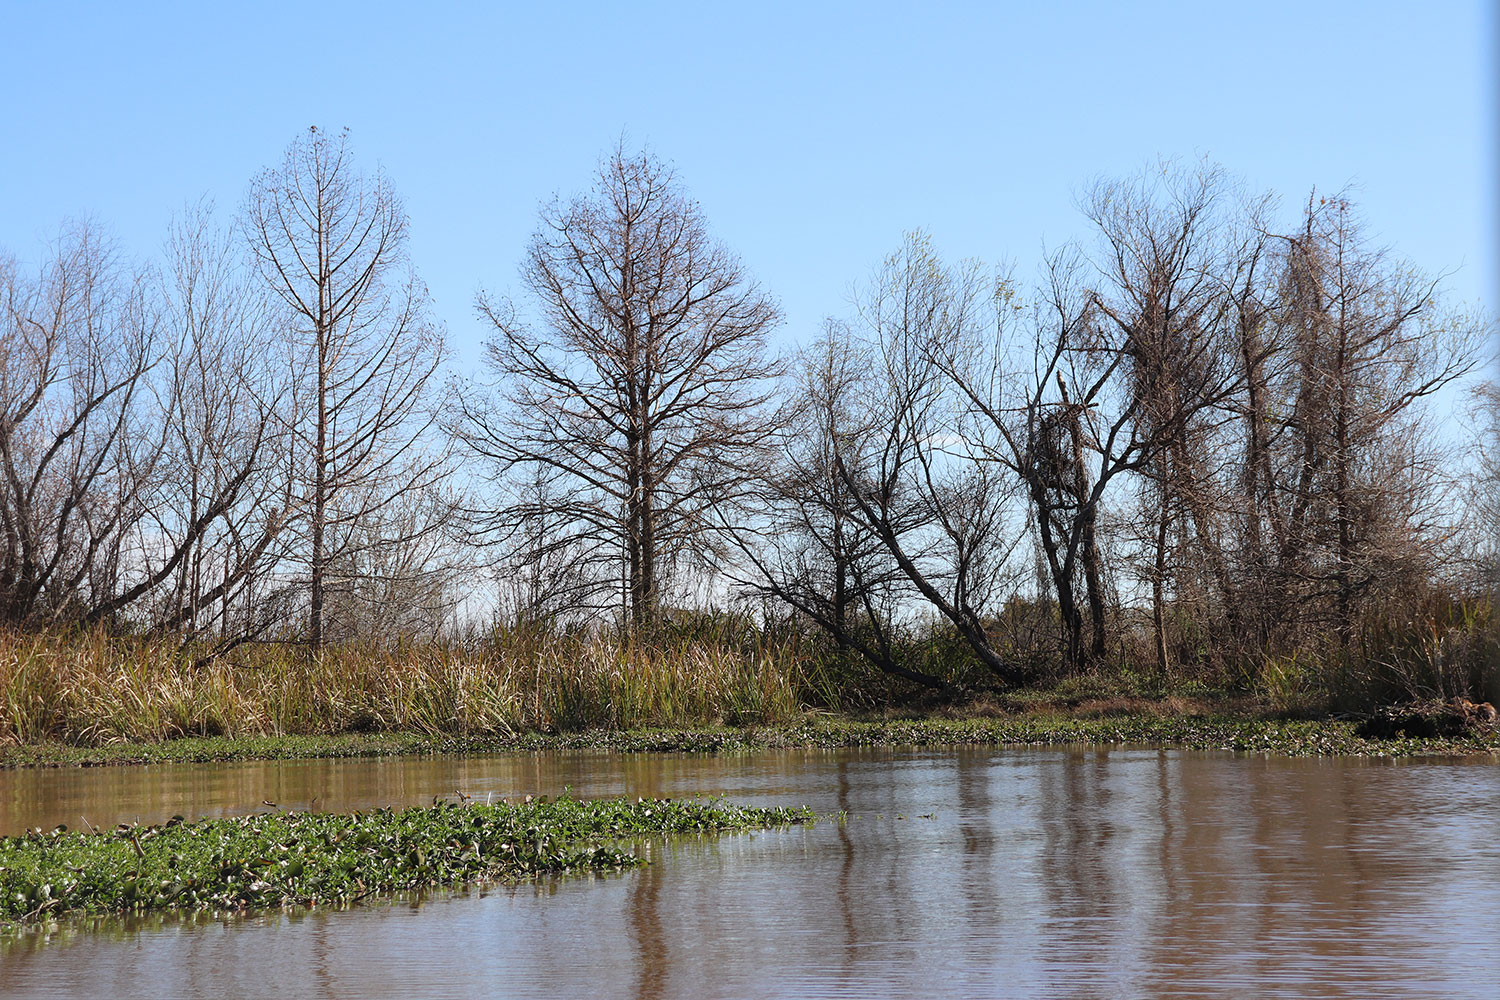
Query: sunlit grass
94	688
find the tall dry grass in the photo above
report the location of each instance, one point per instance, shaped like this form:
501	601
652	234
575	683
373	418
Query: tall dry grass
95	688
1431	649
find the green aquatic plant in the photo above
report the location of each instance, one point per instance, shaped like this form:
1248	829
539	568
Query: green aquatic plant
313	859
1222	731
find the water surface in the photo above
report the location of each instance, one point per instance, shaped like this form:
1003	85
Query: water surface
963	873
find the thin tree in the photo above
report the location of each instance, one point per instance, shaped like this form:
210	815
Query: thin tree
922	479
642	387
77	347
213	506
1485	489
1176	269
1108	379
331	243
1355	485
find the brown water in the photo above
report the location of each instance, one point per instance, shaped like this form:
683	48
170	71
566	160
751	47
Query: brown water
969	873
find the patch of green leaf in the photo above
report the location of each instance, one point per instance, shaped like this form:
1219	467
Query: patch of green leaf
310	859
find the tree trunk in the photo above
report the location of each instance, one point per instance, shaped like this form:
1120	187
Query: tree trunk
1158	578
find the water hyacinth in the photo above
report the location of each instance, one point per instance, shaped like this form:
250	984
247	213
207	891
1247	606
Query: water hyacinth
1219	731
313	859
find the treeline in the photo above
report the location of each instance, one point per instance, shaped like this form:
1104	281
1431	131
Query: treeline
237	439
1200	445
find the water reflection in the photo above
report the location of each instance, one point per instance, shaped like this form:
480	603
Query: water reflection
965	873
648	940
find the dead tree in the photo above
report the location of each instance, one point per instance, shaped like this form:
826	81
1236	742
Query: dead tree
813	550
1353	495
331	244
1484	506
1175	262
213	505
138	444
641	387
77	348
919	482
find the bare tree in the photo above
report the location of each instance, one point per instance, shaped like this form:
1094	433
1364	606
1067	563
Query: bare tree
78	344
542	571
922	479
816	553
1044	405
393	576
1176	266
139	434
1112	379
1298	485
1485	505
1354	486
642	389
331	244
212	503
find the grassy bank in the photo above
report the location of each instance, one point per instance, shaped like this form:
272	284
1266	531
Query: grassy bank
96	698
310	859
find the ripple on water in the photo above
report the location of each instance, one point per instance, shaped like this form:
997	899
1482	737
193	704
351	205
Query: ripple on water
965	873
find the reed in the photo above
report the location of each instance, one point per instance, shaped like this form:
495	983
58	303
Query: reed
93	688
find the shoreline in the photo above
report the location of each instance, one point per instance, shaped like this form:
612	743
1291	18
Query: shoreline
1225	732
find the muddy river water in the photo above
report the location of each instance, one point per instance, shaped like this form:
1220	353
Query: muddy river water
957	873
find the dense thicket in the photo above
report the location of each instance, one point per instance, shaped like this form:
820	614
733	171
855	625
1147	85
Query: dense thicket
1202	444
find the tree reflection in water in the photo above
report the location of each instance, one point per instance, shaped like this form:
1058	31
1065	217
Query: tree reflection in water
965	873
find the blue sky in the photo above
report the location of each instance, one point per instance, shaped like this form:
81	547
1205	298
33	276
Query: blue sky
813	134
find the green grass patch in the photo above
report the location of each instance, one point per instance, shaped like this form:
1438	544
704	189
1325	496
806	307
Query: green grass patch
276	860
1043	727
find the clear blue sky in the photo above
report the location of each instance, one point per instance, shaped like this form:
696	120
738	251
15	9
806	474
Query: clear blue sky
813	134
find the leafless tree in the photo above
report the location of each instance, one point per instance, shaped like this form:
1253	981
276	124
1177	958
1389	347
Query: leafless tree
917	469
1298	488
213	505
393	576
642	387
1248	402
1352	483
77	347
1107	378
1177	263
816	553
331	243
541	571
139	434
1043	401
1485	506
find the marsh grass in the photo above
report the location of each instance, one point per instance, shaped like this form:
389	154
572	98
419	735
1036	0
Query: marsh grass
92	688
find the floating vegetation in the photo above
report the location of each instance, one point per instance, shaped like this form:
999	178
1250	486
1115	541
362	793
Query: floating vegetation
1287	737
289	859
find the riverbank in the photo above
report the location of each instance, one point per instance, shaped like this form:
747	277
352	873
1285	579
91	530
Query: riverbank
276	859
1141	726
721	685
